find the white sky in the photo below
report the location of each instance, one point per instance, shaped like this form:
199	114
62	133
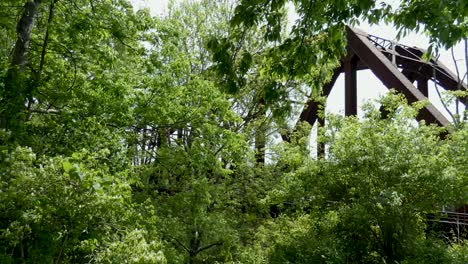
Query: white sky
369	86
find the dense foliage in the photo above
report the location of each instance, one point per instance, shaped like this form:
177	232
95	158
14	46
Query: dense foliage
126	138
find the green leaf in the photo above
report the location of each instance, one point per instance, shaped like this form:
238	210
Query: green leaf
67	166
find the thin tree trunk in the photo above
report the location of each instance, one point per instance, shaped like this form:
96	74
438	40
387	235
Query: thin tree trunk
46	37
37	81
260	137
465	113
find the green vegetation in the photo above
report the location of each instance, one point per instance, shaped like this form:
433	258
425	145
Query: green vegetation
126	138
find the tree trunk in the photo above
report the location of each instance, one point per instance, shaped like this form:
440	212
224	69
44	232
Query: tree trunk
15	96
260	137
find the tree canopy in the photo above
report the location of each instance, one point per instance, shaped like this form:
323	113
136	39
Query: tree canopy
127	138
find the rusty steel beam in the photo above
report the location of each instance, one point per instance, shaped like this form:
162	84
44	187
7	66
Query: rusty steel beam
422	86
390	76
446	78
438	72
410	74
415	67
364	54
361	66
310	111
350	85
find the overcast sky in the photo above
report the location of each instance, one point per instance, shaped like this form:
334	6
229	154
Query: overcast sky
369	87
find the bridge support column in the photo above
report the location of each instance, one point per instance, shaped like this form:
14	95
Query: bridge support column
422	86
350	86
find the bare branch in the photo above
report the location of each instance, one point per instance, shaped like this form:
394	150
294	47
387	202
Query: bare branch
180	243
444	104
209	246
457	112
46	111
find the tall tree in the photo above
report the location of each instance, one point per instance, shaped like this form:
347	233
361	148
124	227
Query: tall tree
15	91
